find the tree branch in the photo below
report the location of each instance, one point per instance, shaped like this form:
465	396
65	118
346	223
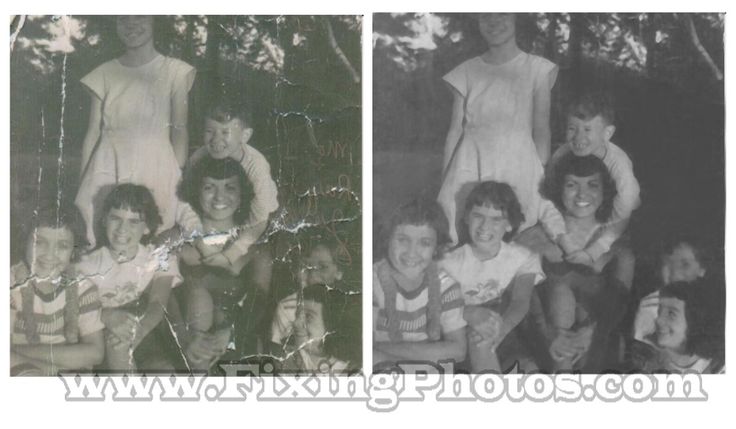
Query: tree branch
340	54
690	25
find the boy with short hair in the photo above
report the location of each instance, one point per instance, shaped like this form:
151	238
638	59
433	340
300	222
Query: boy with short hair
227	131
590	126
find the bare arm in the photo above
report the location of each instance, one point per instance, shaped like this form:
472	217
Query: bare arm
452	346
179	132
519	305
93	131
541	133
456	127
89	352
158	297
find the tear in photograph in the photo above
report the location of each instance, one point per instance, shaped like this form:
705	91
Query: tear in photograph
185	192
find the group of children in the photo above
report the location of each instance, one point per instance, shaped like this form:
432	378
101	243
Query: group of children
524	263
158	266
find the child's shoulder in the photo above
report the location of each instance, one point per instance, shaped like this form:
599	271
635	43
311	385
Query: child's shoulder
617	154
91	262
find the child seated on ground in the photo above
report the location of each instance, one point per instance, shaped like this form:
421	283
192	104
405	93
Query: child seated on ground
134	281
685	337
496	277
319	267
417	308
222	306
54	315
683	261
227	131
575	295
317	333
590	127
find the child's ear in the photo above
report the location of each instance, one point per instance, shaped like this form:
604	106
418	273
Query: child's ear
247	134
609	131
338	275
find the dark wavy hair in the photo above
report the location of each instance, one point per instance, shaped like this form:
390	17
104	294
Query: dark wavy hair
219	169
702	335
57	215
335	307
419	212
136	198
500	196
580	166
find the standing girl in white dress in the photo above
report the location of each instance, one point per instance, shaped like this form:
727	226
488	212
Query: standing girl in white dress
500	121
137	129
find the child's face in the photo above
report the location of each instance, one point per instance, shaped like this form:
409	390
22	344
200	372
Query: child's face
671	324
410	249
125	229
487	226
497	28
309	326
321	268
220	199
681	265
135	30
582	196
49	251
226	139
587	137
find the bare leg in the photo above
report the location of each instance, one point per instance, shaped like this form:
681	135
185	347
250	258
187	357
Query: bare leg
561	305
118	356
482	356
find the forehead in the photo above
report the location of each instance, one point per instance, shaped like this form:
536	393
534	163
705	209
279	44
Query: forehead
320	253
416	231
595	121
53	234
124	213
233	124
673	304
232	180
583	179
493	17
487	210
683	251
137	19
311	306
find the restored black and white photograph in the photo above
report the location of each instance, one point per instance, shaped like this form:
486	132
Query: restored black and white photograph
549	192
185	193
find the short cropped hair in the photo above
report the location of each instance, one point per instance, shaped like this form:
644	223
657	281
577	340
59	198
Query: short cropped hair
225	109
137	199
500	196
592	104
419	211
52	214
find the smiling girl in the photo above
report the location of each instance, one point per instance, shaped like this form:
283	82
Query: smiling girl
496	277
220	193
133	277
417	308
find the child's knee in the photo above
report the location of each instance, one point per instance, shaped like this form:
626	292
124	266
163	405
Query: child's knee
561	304
625	263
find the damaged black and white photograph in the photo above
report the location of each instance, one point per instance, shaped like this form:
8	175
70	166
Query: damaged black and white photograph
549	192
185	193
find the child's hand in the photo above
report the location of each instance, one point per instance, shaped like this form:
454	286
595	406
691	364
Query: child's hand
567	246
217	260
580	257
489	327
122	324
204	249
